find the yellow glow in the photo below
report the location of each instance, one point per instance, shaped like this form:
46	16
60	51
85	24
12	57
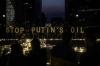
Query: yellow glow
28	40
26	46
79	49
43	43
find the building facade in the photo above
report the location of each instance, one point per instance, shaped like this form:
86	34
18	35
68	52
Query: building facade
27	12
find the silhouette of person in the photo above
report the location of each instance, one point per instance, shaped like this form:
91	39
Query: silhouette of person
35	53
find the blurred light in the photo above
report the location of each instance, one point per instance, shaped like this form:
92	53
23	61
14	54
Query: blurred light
48	63
26	3
51	39
45	39
48	25
89	10
8	39
79	49
77	15
50	46
27	47
5	49
28	40
58	39
30	7
4	15
45	45
75	48
78	62
10	26
98	40
78	39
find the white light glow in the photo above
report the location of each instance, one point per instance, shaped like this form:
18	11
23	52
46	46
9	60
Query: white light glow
3	15
48	63
79	49
77	15
98	40
78	39
51	39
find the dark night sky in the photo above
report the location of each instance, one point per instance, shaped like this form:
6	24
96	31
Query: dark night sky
53	8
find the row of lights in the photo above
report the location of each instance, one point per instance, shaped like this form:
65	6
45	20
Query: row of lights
8	39
78	39
51	39
84	10
97	40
